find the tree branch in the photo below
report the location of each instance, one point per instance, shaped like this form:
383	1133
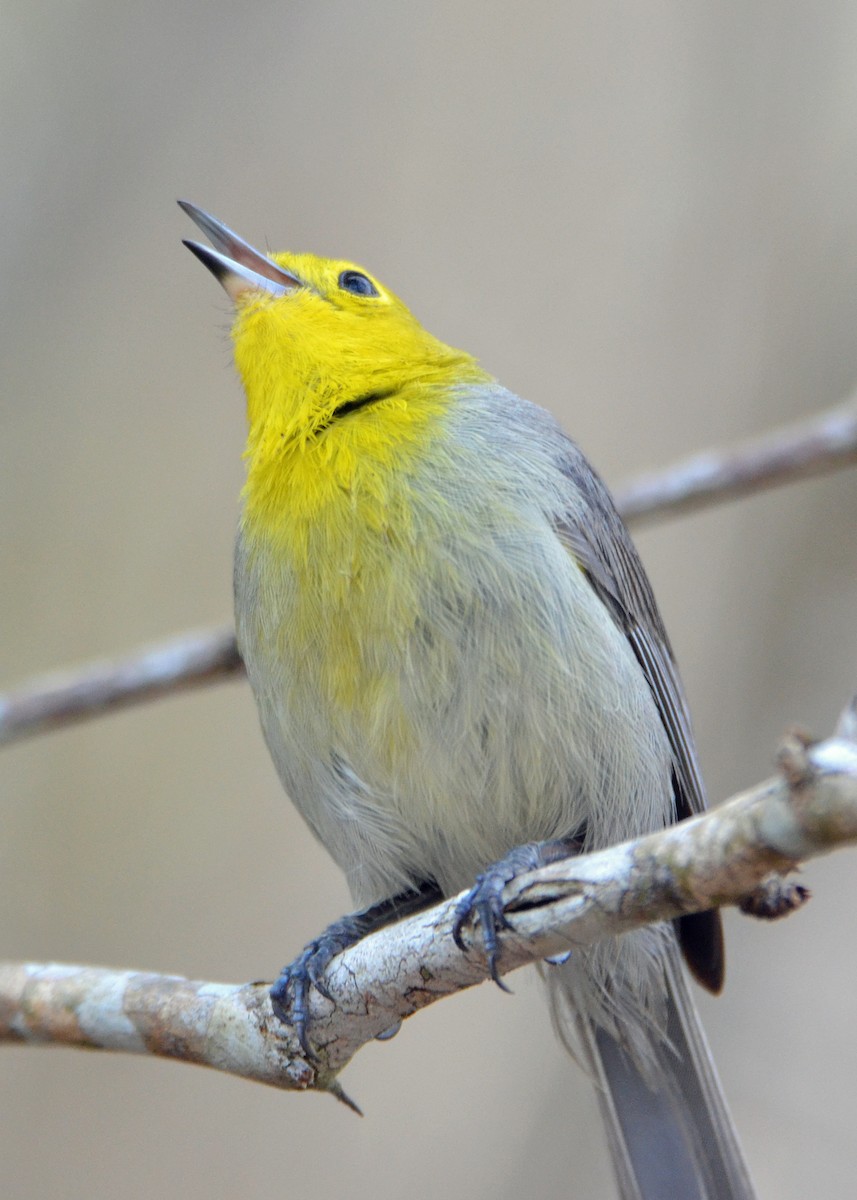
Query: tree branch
716	859
827	442
823	443
62	698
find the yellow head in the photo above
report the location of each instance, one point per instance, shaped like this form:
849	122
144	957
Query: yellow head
338	338
339	376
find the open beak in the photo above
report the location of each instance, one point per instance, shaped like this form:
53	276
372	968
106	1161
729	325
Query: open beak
233	263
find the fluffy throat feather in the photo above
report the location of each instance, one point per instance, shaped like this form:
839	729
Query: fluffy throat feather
350	406
349	470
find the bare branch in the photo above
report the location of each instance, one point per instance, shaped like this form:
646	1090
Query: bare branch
715	859
51	701
823	443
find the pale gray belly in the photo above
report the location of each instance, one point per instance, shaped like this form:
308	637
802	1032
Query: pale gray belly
507	713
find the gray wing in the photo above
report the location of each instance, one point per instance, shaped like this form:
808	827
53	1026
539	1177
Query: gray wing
600	543
603	548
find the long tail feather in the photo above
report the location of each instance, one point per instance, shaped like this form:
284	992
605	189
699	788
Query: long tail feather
669	1131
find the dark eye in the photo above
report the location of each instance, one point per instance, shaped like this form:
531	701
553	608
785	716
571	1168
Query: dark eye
360	285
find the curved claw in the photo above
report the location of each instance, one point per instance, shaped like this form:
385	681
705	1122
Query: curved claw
484	900
289	1000
462	911
290	993
315	974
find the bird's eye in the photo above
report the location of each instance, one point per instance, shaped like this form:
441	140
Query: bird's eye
360	285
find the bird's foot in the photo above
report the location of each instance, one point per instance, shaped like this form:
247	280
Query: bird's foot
290	993
484	901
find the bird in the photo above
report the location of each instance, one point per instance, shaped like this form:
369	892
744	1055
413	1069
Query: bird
461	672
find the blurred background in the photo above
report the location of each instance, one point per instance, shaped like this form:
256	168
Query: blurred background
641	215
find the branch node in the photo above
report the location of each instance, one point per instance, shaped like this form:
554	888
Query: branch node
846	728
336	1089
793	759
775	897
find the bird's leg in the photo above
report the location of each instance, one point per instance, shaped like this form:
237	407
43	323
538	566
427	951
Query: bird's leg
484	901
290	992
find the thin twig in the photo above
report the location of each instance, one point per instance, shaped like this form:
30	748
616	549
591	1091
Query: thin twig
827	442
711	860
51	701
820	444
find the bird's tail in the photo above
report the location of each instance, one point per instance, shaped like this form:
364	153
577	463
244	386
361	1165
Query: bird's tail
668	1128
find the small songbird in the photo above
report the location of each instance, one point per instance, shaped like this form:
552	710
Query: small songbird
461	672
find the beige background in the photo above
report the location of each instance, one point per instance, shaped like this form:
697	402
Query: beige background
641	214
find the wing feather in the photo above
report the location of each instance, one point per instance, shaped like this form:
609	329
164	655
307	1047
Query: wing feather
599	541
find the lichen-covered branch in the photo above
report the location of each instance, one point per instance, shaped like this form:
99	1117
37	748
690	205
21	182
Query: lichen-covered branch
826	442
720	858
